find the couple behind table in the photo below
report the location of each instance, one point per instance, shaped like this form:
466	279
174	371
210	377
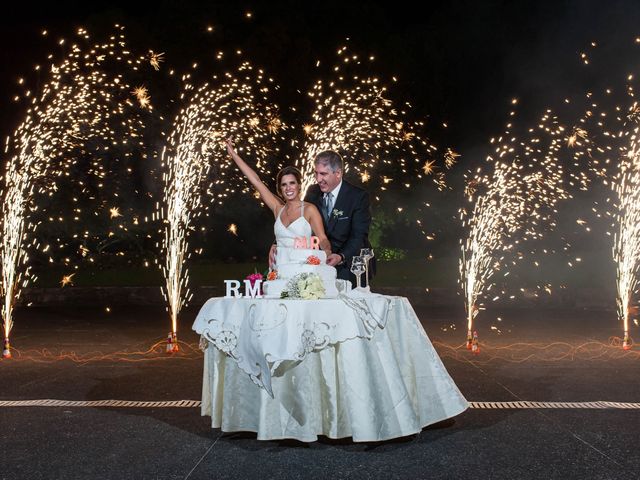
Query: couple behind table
336	211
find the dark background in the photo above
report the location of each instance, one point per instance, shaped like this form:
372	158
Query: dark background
459	62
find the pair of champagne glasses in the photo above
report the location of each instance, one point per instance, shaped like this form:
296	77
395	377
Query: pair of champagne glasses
360	265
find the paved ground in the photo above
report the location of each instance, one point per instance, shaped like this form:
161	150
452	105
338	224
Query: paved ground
546	356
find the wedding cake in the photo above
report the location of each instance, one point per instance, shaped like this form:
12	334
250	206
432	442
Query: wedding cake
292	261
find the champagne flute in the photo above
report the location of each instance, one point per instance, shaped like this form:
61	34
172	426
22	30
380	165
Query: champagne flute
358	266
367	254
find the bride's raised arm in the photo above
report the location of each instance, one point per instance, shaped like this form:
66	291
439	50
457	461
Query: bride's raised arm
267	197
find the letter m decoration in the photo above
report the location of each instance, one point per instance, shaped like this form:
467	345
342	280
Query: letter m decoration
300	242
253	291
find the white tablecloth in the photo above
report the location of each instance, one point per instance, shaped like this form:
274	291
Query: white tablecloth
359	366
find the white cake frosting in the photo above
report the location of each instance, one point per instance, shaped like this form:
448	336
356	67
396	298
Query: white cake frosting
292	261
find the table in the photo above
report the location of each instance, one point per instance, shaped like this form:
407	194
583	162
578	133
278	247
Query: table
359	366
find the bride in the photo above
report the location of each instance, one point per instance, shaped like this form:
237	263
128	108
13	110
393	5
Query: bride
287	208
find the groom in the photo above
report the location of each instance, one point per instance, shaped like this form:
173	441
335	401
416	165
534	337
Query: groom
345	212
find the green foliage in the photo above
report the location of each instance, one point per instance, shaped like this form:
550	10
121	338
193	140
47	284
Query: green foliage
388	254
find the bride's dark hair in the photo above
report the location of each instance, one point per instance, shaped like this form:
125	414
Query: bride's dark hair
289	170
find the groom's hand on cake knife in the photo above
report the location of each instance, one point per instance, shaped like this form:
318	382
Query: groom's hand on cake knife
334	259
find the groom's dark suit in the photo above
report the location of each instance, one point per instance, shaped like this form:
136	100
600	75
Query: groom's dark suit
348	224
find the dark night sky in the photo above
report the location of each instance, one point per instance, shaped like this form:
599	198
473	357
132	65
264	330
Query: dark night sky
460	61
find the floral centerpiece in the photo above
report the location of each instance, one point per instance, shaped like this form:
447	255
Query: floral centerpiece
254	277
306	286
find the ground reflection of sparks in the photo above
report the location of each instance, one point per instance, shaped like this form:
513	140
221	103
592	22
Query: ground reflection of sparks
154	353
523	352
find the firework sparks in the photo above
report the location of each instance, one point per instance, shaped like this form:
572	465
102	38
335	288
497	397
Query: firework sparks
155	59
450	158
626	248
67	280
84	98
230	108
308	128
233	229
353	114
512	205
428	167
142	95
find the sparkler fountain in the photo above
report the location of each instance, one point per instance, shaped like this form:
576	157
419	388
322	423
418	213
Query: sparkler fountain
626	248
512	206
233	107
86	97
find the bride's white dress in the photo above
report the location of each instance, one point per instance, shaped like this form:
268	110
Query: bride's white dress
358	366
285	235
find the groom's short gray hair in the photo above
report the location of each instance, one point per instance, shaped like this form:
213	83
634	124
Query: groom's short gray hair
331	159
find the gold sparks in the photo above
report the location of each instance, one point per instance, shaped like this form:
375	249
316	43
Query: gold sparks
408	136
67	280
634	113
471	187
274	124
517	203
428	167
626	249
577	133
233	229
354	116
308	128
155	59
84	97
142	94
114	212
450	158
235	106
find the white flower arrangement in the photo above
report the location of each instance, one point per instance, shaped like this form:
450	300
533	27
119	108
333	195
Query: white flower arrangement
306	286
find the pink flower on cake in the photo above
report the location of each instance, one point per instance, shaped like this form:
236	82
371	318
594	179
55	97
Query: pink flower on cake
254	277
313	260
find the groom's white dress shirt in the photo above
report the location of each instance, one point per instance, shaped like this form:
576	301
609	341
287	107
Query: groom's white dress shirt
334	196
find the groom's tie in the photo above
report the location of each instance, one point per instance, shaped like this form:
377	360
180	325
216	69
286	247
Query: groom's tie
326	207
